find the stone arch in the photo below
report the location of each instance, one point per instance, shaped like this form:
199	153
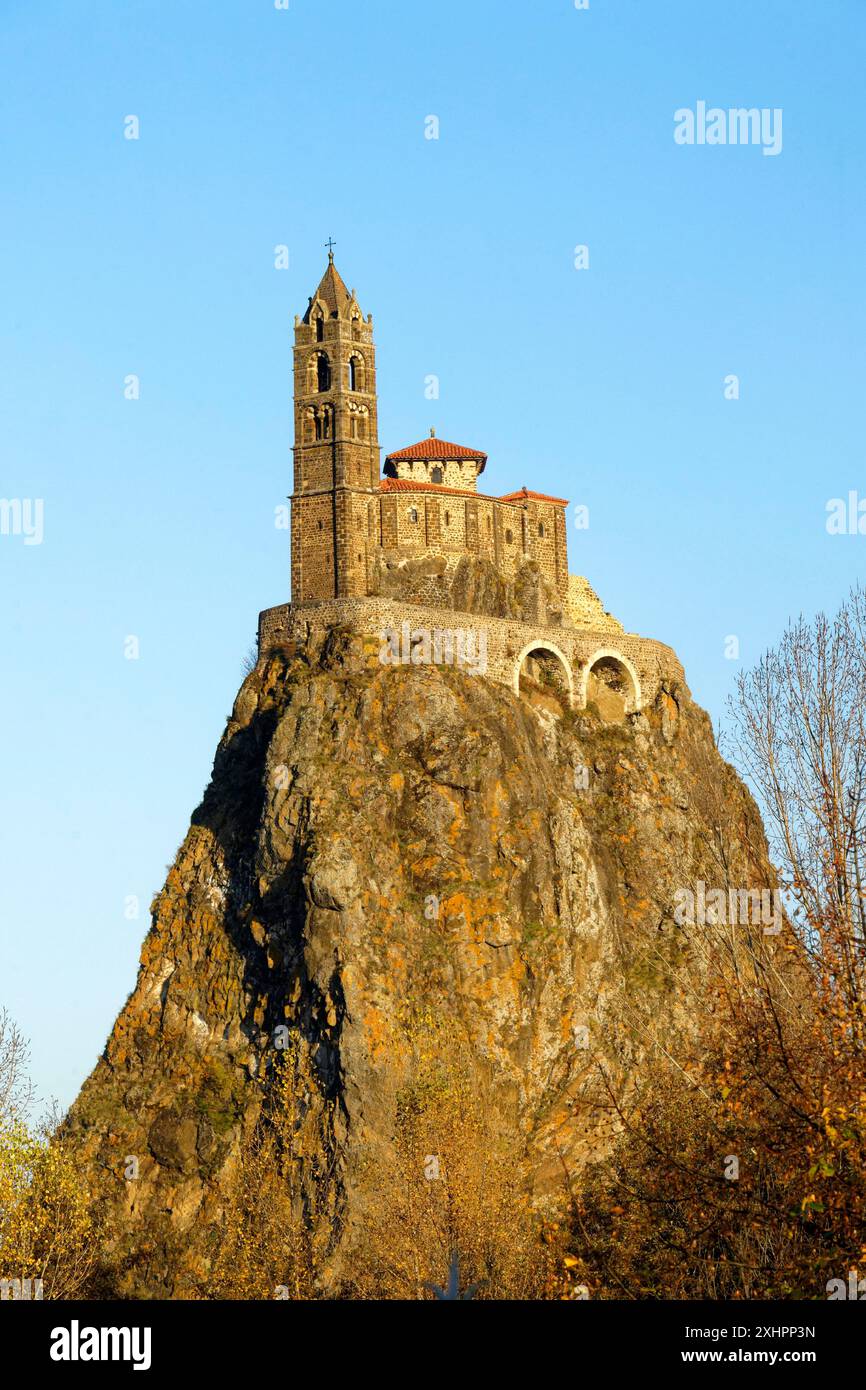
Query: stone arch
617	673
318	373
545	648
356	371
318	313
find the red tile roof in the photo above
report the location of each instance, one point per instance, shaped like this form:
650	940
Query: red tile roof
515	498
434	448
536	497
409	485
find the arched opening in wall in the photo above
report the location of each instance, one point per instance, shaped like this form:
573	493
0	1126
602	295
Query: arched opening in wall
541	530
436	475
320	329
610	687
353	374
323	372
544	679
413	515
509	537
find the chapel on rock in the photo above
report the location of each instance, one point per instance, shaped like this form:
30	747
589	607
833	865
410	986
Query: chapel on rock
418	545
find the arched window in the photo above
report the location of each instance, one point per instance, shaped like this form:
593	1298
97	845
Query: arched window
356	328
508	536
436	475
541	529
447	518
323	372
413	514
318	423
353	374
320	329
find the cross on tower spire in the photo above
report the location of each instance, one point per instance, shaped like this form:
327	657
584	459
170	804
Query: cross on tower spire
330	243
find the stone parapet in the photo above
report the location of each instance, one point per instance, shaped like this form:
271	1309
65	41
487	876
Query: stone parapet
505	642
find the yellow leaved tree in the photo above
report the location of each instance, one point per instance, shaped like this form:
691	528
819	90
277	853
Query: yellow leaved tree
46	1227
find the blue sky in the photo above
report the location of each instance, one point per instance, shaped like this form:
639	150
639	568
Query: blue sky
155	257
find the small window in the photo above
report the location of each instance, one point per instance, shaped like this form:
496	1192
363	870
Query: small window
320	330
489	527
447	518
541	529
509	537
413	514
436	475
320	525
323	372
353	374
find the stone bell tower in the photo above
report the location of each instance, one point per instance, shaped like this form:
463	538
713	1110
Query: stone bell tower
335	506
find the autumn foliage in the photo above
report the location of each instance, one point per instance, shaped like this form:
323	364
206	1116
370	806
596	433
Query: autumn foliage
46	1226
742	1168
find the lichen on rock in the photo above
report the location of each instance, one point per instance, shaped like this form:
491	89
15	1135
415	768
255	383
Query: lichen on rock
382	838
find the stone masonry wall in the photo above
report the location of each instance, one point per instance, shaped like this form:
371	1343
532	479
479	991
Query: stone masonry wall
586	610
506	533
506	640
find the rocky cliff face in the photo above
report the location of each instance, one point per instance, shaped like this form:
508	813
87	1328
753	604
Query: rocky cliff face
377	836
468	584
